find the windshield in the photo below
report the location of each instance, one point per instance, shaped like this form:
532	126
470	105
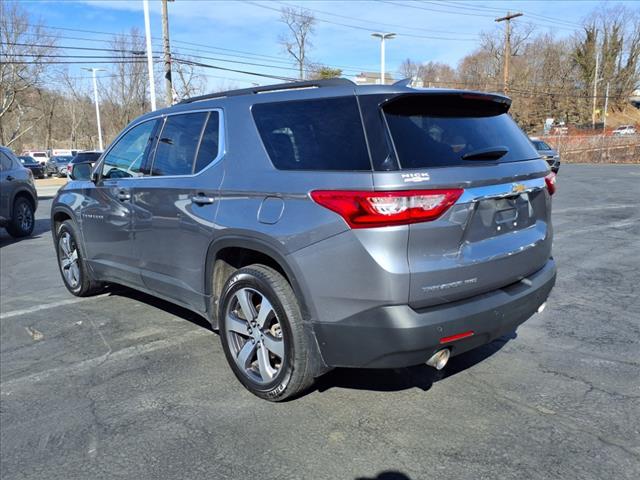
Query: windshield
64	159
28	160
430	132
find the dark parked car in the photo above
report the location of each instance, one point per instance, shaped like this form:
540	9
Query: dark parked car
58	165
83	161
32	164
549	154
18	197
321	224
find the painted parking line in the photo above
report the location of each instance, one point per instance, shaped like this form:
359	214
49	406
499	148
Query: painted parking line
37	308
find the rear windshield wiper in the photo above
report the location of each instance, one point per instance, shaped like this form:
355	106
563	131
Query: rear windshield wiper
491	153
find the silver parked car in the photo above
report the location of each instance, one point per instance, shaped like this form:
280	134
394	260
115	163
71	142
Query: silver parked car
321	224
18	197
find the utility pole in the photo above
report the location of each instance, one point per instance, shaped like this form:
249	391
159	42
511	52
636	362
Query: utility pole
95	98
167	53
147	31
606	106
595	83
507	48
382	37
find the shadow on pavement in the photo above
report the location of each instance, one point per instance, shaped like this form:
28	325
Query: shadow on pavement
381	380
419	376
42	225
160	304
387	475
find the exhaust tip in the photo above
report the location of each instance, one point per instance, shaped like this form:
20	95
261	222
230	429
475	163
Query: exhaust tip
439	359
542	307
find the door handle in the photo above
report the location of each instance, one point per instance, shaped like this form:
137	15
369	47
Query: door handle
123	196
202	199
10	177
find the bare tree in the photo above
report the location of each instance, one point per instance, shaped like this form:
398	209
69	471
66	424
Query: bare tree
300	24
187	82
126	92
24	48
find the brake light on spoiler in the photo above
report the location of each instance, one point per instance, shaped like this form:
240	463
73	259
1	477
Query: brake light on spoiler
368	209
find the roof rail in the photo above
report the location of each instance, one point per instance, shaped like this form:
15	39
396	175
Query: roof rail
329	82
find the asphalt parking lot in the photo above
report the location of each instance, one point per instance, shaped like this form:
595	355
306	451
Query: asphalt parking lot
126	386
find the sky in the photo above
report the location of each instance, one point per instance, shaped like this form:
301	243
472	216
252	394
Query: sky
243	35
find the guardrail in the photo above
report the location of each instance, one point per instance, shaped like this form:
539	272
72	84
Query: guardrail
596	148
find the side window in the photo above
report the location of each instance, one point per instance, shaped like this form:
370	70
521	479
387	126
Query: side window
5	162
178	143
125	159
209	147
319	134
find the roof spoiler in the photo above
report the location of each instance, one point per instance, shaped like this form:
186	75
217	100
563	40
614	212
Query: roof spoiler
329	82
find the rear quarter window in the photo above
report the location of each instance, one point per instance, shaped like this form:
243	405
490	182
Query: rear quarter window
319	134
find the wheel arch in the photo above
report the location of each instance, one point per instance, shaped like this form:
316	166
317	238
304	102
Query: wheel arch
227	254
218	270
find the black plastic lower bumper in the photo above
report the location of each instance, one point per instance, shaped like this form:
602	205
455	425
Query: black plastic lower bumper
399	336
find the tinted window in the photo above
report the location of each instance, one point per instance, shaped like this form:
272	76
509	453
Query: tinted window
324	134
430	133
125	158
86	157
177	144
208	150
5	162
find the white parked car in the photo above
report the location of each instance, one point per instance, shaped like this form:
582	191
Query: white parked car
624	130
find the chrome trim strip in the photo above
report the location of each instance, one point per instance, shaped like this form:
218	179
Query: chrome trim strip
503	190
222	147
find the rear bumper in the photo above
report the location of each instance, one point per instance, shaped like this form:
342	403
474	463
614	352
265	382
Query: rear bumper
398	336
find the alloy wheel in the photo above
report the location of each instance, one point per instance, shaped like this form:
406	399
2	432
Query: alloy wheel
24	217
69	259
254	335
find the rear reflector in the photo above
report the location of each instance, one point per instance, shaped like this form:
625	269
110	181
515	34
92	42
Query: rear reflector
362	209
550	180
458	336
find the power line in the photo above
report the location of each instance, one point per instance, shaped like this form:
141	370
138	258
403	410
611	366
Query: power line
366	29
385	25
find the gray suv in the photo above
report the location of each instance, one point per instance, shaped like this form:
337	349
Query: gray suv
18	197
321	224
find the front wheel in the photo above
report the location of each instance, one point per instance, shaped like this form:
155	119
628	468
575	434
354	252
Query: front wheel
262	334
75	273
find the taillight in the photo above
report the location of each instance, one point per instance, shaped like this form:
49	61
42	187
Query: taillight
550	180
362	209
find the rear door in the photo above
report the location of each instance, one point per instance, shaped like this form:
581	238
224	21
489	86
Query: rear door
6	185
499	230
175	205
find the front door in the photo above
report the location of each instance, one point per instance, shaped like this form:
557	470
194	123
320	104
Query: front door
176	206
107	210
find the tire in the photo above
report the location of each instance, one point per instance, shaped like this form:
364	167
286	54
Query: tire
22	218
270	355
75	273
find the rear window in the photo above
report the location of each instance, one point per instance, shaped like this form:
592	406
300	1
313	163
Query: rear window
540	145
428	131
86	157
321	134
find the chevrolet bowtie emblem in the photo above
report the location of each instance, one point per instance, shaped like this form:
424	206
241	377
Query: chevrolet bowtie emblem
517	188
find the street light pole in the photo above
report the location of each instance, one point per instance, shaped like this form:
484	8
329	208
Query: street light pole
382	37
95	98
147	31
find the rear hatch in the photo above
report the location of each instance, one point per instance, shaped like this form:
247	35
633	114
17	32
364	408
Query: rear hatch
499	230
